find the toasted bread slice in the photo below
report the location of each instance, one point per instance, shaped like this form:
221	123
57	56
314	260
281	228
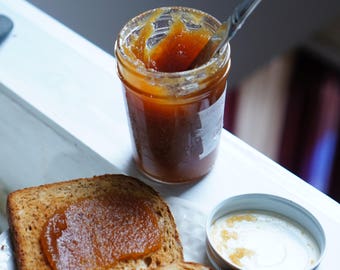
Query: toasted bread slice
180	265
30	208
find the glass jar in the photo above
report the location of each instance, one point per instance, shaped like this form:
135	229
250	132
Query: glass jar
175	116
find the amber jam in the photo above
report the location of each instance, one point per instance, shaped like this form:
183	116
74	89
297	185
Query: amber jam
96	233
175	112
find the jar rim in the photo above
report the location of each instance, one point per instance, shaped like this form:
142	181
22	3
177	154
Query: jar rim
118	47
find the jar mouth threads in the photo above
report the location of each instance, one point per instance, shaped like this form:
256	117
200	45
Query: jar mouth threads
189	79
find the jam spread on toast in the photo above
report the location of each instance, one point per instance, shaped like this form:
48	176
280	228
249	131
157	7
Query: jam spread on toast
98	232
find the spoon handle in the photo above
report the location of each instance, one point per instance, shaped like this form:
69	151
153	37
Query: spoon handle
226	31
240	14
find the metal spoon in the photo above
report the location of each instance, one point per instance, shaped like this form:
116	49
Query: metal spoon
226	31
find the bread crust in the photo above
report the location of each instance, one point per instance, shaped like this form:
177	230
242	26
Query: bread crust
28	210
180	265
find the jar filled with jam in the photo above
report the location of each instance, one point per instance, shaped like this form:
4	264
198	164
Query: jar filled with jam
175	111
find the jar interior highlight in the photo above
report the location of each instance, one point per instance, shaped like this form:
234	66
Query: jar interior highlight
175	113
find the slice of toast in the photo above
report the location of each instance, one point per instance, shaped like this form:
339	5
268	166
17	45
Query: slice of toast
30	208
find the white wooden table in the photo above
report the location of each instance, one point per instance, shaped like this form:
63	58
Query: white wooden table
65	92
